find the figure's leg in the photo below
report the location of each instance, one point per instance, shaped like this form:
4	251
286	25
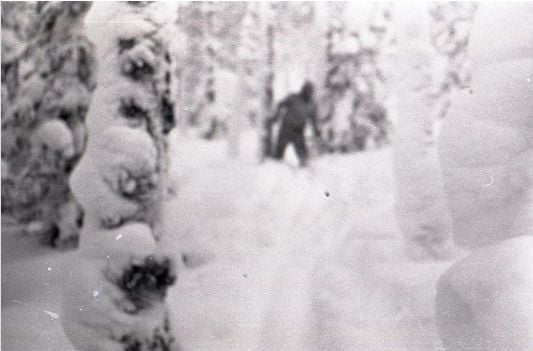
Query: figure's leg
301	148
283	141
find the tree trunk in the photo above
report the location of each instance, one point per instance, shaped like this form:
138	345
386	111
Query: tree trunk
266	134
115	285
421	205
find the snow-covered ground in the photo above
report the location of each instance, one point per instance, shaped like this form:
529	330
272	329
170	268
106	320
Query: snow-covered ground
276	258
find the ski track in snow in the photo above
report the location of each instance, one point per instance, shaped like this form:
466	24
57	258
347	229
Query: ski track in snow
279	258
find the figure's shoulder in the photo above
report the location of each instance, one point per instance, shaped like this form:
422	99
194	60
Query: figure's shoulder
293	98
289	100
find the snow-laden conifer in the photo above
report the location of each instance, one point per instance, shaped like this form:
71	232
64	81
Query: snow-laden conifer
47	65
116	283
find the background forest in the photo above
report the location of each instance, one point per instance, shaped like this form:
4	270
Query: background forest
233	63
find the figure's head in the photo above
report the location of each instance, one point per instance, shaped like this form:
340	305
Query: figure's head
307	91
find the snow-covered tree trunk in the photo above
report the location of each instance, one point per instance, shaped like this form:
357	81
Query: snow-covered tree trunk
48	89
300	47
253	60
242	98
191	24
208	121
355	97
236	112
267	76
115	285
421	205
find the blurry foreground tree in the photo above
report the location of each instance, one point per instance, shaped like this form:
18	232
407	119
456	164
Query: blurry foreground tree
47	65
484	300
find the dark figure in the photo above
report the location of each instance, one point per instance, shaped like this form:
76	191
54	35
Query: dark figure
295	110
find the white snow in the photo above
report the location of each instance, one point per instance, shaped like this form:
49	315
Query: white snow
272	261
485	301
508	26
55	135
12	46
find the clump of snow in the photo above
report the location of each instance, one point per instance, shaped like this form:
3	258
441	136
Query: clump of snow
132	149
56	136
101	205
12	46
118	162
86	301
130	240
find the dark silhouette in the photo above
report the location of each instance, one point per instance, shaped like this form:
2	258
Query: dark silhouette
294	112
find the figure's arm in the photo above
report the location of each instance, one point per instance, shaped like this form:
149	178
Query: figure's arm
313	116
281	110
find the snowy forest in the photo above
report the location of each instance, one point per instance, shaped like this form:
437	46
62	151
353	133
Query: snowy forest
210	175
